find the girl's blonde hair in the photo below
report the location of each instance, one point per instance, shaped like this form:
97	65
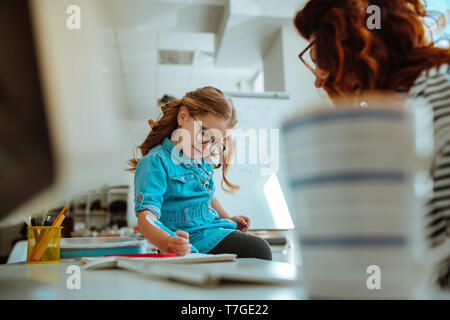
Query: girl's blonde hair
199	103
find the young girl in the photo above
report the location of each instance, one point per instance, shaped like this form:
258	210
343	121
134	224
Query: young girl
174	183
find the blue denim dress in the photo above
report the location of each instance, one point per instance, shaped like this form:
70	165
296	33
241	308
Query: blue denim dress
179	191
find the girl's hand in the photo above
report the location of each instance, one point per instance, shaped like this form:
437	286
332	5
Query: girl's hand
179	245
243	222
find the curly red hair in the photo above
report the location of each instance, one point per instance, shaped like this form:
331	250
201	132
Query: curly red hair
359	59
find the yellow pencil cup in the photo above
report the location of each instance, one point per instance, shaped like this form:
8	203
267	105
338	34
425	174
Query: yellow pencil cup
43	244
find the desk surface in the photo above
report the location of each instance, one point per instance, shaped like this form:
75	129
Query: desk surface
48	281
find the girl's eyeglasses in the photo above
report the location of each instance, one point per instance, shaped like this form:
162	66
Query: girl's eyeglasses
307	61
205	136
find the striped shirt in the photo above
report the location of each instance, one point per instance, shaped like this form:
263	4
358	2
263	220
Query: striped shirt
432	91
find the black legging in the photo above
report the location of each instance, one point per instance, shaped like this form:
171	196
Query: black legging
244	245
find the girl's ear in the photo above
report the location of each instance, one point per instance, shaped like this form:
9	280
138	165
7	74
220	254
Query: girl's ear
183	114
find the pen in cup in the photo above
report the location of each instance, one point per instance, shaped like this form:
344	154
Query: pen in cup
31	222
34	222
47	221
43	241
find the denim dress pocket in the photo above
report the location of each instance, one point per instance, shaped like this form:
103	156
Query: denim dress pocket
183	183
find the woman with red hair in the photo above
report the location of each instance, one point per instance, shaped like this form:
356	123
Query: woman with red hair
350	60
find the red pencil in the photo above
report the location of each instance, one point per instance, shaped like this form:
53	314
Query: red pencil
143	255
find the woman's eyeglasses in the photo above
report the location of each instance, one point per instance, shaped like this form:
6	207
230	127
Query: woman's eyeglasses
307	61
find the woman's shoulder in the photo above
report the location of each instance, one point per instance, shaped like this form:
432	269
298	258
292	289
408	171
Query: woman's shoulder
432	81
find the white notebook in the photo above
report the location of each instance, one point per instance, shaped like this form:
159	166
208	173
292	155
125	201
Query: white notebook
196	269
114	262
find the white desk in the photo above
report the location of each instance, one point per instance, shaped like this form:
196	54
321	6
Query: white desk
48	281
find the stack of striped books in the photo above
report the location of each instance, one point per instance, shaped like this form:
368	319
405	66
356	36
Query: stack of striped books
354	207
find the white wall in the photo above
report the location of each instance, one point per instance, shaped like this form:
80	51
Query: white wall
283	70
135	132
299	81
273	66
